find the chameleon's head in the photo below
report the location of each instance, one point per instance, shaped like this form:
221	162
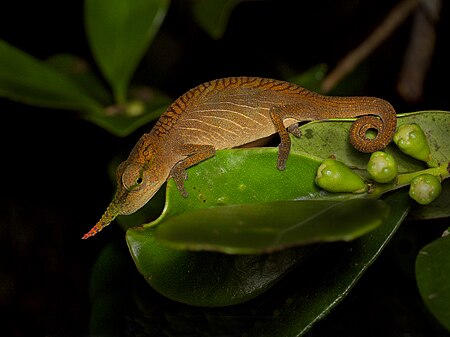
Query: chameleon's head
136	185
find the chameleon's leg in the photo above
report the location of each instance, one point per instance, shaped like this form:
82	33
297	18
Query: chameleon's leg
278	114
195	154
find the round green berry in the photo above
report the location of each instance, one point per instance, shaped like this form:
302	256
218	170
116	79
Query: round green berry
334	176
382	167
411	140
425	188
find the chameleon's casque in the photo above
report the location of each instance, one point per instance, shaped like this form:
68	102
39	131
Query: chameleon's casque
230	112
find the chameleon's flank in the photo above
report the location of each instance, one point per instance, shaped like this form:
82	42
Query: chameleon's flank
230	112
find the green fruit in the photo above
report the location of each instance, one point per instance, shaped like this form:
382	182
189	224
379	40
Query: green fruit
335	176
382	167
425	188
411	140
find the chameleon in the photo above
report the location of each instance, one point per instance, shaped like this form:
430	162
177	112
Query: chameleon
230	112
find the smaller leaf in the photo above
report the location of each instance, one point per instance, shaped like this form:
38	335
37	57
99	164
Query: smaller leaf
207	278
79	71
121	123
312	78
119	32
433	275
268	227
213	15
28	80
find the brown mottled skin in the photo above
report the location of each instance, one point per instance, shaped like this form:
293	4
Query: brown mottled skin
230	112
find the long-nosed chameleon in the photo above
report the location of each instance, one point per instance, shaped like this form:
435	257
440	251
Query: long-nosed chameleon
227	113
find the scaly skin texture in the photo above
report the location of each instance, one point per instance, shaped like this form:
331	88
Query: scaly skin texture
230	112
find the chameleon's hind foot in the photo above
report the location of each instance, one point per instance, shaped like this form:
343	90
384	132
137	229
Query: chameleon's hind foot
295	130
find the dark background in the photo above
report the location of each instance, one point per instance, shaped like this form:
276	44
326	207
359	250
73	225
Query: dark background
54	183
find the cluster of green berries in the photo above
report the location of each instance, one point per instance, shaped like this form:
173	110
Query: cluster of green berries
335	176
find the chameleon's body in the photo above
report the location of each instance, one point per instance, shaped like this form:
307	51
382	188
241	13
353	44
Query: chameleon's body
230	112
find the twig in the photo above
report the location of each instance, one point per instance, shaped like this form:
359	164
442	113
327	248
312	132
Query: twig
395	17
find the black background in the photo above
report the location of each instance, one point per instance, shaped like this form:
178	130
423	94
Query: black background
54	183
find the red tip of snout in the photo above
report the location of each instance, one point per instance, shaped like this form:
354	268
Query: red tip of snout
94	230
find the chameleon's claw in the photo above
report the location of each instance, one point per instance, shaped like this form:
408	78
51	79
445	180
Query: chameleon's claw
295	130
281	164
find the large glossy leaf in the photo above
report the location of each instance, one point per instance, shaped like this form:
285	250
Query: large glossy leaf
119	32
433	278
241	176
28	80
267	227
171	271
192	277
328	278
244	176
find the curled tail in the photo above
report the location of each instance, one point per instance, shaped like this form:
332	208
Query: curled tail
378	115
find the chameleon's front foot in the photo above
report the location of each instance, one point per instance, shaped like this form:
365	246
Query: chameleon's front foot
179	176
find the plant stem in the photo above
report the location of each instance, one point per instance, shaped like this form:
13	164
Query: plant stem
376	190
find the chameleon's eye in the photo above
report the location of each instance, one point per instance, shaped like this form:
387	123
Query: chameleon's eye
132	178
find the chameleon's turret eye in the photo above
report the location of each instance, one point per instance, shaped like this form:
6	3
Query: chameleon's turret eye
132	177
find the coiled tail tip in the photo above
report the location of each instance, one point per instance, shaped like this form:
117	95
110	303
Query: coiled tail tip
384	130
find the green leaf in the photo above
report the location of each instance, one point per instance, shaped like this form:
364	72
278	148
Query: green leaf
312	78
119	32
192	277
122	120
176	273
79	71
324	282
268	227
28	80
433	275
436	126
249	176
206	278
213	15
240	176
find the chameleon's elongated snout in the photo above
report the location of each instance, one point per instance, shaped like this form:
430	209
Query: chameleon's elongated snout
110	214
